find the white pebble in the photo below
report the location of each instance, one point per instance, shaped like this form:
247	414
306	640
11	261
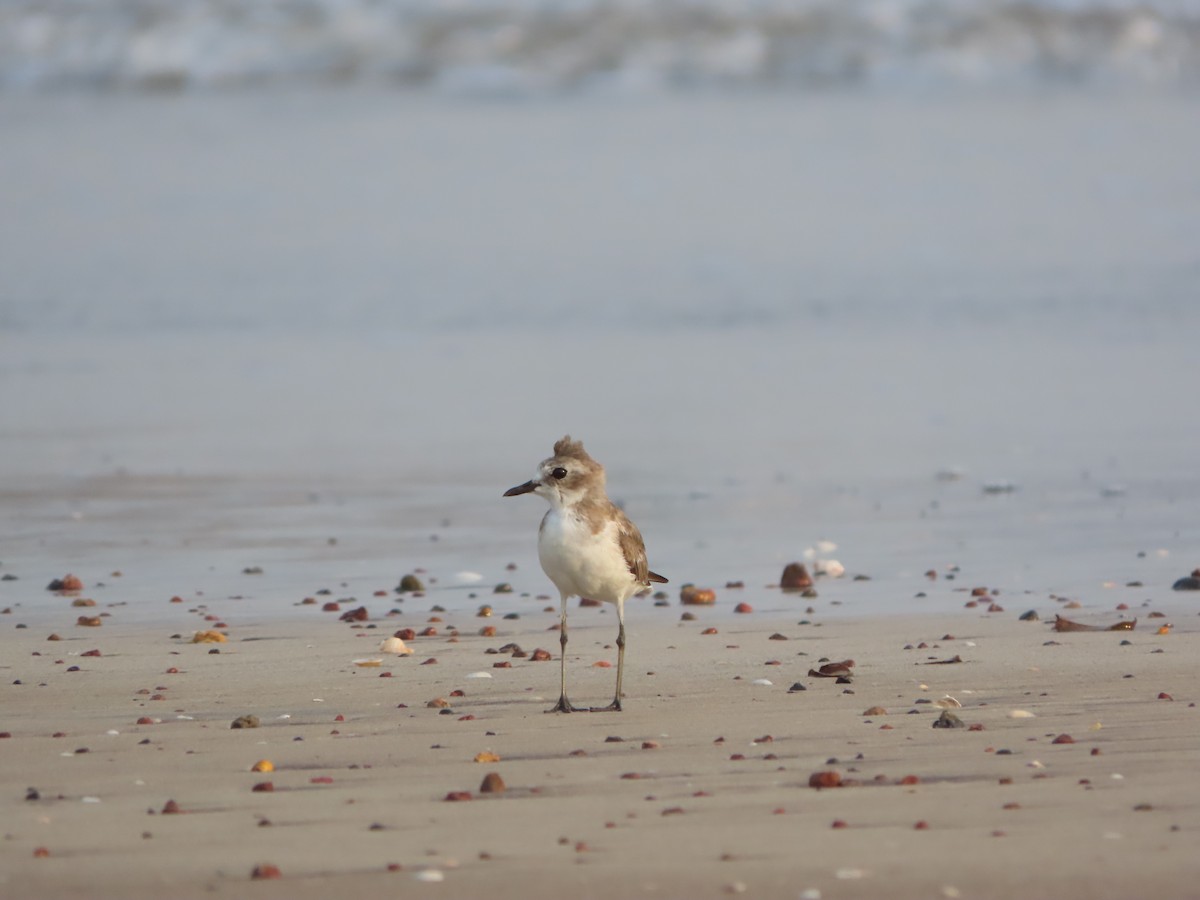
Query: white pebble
1036	764
479	674
1020	714
468	577
112	731
90	799
765	682
1117	776
849	874
430	875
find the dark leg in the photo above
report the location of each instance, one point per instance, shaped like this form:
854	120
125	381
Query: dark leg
615	706
563	704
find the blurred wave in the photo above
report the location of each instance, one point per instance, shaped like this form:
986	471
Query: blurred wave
528	47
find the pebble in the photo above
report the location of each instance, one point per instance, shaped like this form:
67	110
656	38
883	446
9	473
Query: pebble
265	871
246	721
827	779
410	583
1029	616
1188	582
948	720
875	711
795	577
743	608
1063	739
690	595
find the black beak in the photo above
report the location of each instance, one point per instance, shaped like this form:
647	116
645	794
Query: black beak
525	488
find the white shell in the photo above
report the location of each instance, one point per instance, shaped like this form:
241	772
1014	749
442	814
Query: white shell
394	645
830	567
1020	714
479	674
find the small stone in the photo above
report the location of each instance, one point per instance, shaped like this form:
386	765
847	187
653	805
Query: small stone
1063	739
265	871
875	711
457	796
492	784
743	608
827	779
540	655
1163	695
1188	582
503	588
1029	616
89	621
796	686
409	584
795	577
263	765
171	808
690	595
948	720
246	721
263	787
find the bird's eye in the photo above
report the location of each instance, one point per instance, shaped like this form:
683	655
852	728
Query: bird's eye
559	472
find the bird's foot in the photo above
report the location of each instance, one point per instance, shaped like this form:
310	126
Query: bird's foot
615	706
563	705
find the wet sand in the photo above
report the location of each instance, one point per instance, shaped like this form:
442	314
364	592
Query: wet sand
699	788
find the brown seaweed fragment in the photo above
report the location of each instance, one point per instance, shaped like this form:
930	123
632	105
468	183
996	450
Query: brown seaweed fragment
1063	624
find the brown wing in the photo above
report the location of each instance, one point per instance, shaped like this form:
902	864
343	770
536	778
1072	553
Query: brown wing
634	549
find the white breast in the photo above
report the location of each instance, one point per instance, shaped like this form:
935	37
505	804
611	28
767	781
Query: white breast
583	564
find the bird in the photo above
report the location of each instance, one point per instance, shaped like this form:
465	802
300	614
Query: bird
587	546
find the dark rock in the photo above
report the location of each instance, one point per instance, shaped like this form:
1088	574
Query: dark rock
948	720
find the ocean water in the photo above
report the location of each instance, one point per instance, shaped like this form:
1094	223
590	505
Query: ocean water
321	328
533	47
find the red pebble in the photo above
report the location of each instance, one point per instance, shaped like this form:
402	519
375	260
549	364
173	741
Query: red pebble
40	853
171	808
1162	695
263	787
743	608
320	779
502	665
709	631
172	671
540	655
145	720
331	606
910	779
428	632
457	796
339	718
264	871
1063	739
921	826
405	634
825	779
432	661
838	823
90	653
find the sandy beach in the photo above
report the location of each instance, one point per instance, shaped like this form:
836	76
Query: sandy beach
700	788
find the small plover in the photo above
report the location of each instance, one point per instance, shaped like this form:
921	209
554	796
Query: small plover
587	546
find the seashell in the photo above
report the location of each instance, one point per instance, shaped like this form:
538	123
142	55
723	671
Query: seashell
479	675
246	721
209	637
830	568
430	876
1020	714
762	681
875	711
263	765
487	756
394	645
89	621
368	663
947	702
